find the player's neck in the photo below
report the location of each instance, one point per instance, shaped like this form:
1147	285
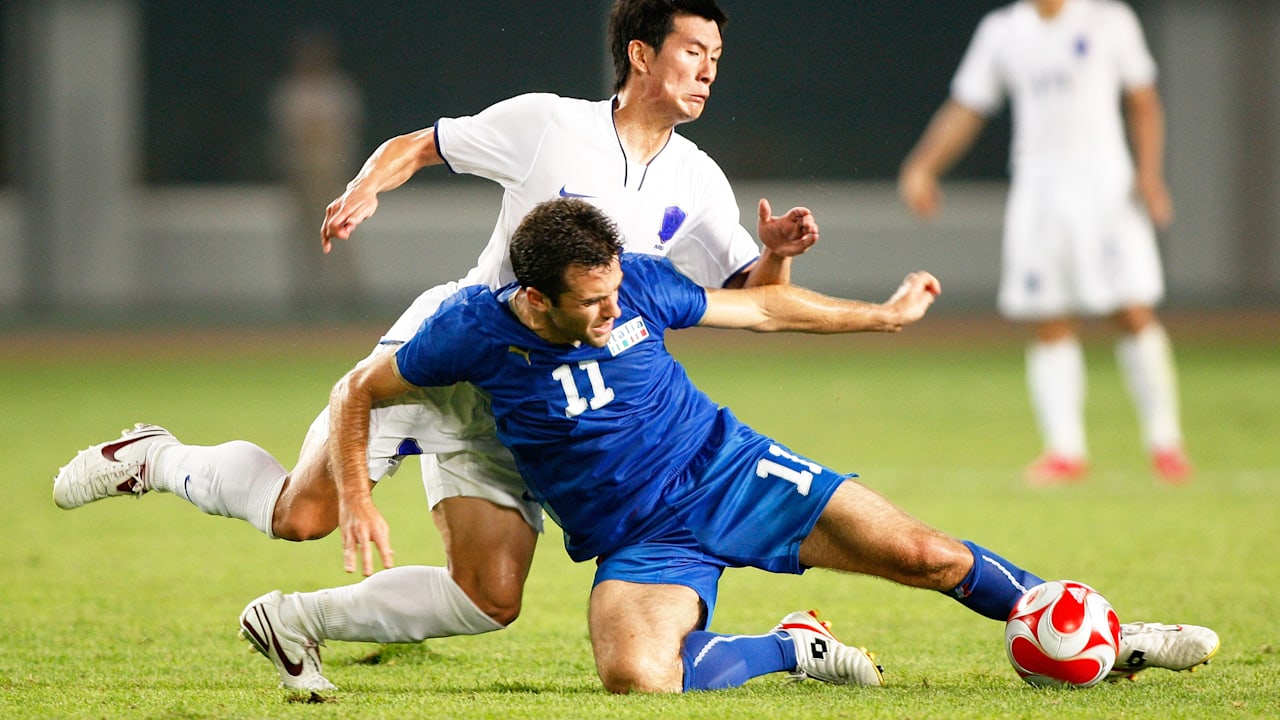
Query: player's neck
1048	9
643	129
534	319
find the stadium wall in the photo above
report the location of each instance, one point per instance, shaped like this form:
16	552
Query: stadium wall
220	252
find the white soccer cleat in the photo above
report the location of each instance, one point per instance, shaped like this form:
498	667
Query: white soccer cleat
296	656
115	467
1172	647
819	655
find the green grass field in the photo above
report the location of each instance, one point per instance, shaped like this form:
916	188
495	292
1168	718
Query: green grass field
128	608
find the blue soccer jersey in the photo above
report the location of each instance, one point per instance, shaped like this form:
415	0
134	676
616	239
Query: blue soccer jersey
596	432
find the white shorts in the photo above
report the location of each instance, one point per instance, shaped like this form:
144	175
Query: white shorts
1088	251
451	428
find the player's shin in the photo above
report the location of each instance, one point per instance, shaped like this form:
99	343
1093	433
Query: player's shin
714	662
993	584
403	604
236	479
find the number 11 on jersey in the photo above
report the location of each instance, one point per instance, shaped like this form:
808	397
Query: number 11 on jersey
802	479
575	404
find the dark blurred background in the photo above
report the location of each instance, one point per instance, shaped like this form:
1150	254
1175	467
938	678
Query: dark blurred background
141	129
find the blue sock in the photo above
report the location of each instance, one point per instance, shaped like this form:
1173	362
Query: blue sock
994	585
713	661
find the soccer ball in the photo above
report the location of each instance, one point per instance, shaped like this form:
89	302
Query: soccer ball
1062	634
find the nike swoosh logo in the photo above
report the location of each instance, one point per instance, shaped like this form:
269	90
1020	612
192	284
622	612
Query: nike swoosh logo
566	194
110	449
291	667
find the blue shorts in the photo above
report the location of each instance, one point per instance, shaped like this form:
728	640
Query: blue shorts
743	501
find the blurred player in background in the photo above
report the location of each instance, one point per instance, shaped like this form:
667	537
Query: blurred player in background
623	154
317	115
1078	237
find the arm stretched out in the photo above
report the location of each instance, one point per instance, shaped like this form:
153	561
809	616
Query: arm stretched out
777	308
389	167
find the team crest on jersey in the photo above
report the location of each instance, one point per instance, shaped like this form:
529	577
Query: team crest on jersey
629	333
672	218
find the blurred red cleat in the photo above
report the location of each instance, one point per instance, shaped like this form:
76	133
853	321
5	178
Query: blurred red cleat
1054	469
1171	465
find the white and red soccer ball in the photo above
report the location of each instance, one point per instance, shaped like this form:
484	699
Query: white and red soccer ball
1062	634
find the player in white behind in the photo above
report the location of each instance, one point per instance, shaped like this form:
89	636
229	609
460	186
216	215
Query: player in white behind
1078	237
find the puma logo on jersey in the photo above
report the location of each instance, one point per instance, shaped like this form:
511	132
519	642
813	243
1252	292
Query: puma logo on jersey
521	352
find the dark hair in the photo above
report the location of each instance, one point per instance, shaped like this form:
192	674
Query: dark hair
559	233
650	22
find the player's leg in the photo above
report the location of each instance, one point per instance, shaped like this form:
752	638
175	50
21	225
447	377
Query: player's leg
307	506
490	550
404	604
1056	383
647	637
1037	287
637	631
1146	362
860	531
486	517
236	479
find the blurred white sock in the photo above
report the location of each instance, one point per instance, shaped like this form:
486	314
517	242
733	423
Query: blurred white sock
1146	363
1056	381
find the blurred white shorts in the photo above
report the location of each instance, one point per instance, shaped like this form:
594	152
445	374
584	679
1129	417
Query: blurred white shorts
1083	252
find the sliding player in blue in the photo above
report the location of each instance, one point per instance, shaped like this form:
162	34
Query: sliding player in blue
648	475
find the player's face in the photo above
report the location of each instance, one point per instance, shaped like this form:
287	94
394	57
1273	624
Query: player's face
686	66
587	309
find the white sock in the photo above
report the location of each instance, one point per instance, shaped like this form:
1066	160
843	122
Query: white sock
405	604
236	479
1146	362
1056	381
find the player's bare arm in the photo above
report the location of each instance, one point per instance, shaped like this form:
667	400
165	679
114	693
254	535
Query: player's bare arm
784	237
389	167
1145	115
362	526
778	308
948	137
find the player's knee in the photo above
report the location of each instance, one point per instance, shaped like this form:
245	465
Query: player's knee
632	673
932	561
499	597
289	523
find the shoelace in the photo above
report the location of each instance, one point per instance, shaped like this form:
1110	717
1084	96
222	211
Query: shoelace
110	479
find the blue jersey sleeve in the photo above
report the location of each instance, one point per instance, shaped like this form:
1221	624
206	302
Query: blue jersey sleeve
444	350
664	295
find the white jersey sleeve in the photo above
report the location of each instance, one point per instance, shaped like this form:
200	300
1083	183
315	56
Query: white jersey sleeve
500	143
978	83
1137	67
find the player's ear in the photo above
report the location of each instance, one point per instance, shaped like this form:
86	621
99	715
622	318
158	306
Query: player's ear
639	54
538	300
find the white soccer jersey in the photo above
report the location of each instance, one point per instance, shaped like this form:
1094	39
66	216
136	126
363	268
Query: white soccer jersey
541	146
1064	77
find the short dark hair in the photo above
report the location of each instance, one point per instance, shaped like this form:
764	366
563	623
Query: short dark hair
559	233
650	22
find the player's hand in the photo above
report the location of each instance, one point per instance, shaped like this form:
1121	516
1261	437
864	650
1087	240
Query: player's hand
914	296
363	529
788	235
1155	195
344	214
920	192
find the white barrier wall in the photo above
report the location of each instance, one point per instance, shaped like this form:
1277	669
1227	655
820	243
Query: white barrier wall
202	250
